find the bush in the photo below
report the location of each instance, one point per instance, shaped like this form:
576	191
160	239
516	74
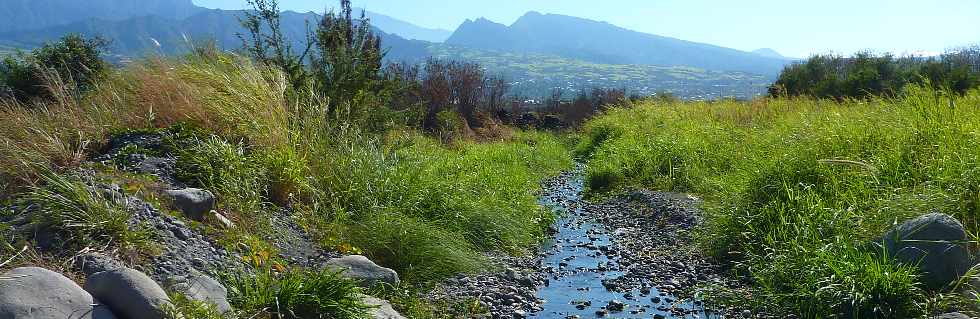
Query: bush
866	75
73	59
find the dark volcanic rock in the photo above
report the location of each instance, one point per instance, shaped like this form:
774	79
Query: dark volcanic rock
934	242
195	203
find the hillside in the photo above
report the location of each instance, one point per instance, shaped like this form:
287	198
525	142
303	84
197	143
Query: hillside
534	74
405	29
770	53
601	42
18	15
153	34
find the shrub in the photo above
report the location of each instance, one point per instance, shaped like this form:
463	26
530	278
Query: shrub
347	60
73	59
866	74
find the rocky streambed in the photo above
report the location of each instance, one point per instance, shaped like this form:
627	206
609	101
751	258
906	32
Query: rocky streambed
625	257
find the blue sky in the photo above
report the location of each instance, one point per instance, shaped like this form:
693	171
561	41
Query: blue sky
792	27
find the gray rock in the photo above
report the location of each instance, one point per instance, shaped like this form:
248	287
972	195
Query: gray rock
936	243
91	263
202	288
129	293
38	293
953	315
382	309
366	272
195	203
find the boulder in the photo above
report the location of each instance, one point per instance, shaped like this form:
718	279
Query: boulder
381	308
202	288
129	293
364	271
91	263
195	203
38	293
952	315
934	242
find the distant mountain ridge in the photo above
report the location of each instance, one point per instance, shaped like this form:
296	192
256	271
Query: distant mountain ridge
767	52
405	29
19	15
538	52
602	42
155	34
27	15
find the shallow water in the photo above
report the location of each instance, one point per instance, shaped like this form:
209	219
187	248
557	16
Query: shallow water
579	259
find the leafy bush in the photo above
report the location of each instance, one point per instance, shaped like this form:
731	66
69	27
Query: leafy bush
73	59
796	189
866	74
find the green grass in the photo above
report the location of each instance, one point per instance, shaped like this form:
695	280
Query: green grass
81	213
291	293
796	188
426	207
408	201
430	211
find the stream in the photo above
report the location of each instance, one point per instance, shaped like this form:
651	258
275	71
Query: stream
580	261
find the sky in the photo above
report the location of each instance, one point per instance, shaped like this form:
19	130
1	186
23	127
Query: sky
794	28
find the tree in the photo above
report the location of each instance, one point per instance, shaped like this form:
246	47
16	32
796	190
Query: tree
267	44
349	56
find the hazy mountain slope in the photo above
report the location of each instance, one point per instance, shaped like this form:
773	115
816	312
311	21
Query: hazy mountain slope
770	53
535	74
16	15
405	29
153	34
602	42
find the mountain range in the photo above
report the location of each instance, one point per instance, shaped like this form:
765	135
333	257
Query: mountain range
19	15
159	35
137	27
602	42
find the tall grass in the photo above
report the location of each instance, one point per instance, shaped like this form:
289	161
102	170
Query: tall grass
795	187
411	203
425	208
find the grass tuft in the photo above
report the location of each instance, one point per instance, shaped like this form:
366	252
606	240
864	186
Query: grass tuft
84	214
